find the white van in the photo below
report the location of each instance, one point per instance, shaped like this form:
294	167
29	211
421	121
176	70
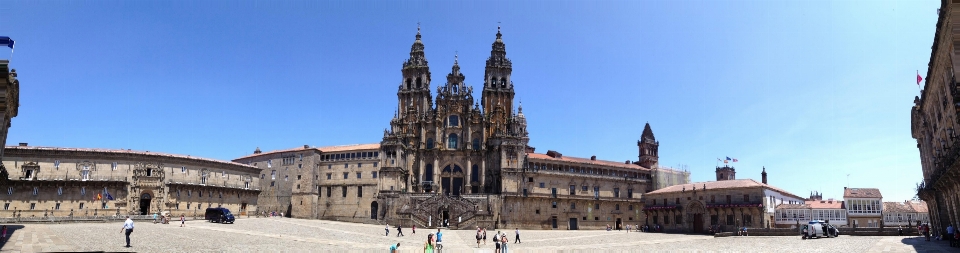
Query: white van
817	229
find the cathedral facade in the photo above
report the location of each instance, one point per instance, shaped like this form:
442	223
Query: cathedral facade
455	161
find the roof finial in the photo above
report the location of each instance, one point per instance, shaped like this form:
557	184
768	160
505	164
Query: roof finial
498	26
456	55
418	27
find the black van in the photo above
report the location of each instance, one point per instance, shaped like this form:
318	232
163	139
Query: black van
219	215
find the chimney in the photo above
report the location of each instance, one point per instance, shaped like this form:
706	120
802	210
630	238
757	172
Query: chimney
306	146
593	158
763	175
23	144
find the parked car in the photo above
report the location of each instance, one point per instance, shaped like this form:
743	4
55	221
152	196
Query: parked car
219	215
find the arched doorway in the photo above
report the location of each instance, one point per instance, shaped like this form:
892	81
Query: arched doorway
695	215
373	210
145	203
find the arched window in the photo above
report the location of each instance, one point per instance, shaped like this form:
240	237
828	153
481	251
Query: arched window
446	169
457	169
429	143
476	144
454	120
503	82
419	83
452	143
428	173
475	173
409	83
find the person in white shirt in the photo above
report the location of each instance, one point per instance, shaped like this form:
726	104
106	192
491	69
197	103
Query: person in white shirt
128	228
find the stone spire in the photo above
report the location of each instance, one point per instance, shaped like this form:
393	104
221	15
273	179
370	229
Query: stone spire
763	175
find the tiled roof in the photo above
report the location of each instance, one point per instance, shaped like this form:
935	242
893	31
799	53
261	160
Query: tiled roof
792	206
814	204
586	161
861	193
321	149
824	204
919	206
897	207
723	184
124	151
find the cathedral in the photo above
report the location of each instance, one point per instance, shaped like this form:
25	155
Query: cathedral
457	162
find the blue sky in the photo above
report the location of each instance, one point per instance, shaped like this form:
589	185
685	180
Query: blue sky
811	90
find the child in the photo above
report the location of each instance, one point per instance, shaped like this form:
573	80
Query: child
182	220
3	233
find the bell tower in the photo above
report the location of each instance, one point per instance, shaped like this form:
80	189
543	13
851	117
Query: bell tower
649	148
497	100
414	96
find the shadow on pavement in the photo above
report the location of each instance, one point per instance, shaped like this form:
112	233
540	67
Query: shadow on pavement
10	230
920	244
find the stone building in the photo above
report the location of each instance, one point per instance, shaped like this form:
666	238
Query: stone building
50	181
454	160
907	213
933	123
864	206
725	204
9	105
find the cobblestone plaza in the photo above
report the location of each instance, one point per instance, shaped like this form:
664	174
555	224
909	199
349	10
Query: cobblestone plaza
297	235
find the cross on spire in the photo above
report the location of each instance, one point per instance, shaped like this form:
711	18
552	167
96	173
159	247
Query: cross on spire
418	27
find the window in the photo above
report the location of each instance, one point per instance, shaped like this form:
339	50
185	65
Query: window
56	164
596	192
452	141
223	174
616	192
573	190
344	188
630	207
524	192
6	206
616	207
358	174
359	165
373	174
541	185
346	165
554	204
345	174
375	164
286	178
476	144
630	194
329	166
729	200
429	143
329	191
553	192
454	120
83	191
746	198
35	190
81	206
584	188
359	191
272	183
33	206
60	190
269	163
329	175
676	201
113	166
273	175
261	176
573	205
596	206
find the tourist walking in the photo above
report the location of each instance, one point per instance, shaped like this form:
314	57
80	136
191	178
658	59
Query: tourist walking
484	236
182	220
386	230
439	240
950	231
399	230
154	218
428	247
479	236
503	242
128	228
496	241
517	230
414	229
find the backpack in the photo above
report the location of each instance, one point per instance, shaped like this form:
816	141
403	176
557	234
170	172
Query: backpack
496	238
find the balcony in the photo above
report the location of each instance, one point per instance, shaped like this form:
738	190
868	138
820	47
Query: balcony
230	185
72	178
